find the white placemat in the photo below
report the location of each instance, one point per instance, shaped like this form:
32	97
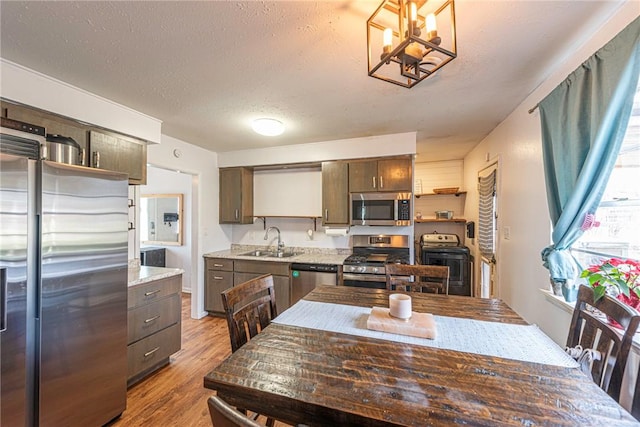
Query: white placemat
518	342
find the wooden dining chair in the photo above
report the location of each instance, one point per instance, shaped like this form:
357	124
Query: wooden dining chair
249	308
418	278
591	329
225	415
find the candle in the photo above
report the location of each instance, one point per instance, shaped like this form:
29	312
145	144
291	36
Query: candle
400	306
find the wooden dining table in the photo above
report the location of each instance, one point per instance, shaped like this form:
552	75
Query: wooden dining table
303	375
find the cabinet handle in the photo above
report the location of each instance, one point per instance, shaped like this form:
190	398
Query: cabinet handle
96	159
83	155
150	352
218	265
326	214
151	319
3	299
218	278
374	182
381	183
237	214
146	294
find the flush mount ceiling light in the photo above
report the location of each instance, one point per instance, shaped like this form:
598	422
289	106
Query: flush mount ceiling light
413	39
268	127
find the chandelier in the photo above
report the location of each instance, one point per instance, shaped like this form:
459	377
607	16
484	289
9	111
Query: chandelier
412	39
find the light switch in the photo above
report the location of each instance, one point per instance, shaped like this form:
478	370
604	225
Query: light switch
506	232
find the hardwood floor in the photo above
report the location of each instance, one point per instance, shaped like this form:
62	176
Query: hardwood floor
175	395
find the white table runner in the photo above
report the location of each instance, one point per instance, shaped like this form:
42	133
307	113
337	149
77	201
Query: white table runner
518	342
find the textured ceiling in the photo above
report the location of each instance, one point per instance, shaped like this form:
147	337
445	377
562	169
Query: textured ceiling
207	68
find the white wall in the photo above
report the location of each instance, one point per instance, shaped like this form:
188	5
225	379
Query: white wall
206	234
288	192
164	181
516	143
371	146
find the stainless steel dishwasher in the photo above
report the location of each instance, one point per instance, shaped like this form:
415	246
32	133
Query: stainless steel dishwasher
305	277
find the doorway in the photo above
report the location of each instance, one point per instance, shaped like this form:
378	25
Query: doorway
179	255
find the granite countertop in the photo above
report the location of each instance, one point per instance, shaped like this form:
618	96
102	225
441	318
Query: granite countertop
144	274
304	255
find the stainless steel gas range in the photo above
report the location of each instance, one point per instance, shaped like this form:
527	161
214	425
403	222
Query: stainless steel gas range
366	266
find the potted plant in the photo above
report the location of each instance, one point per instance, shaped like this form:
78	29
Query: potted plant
617	277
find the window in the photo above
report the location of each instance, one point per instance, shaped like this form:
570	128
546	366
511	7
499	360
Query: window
616	232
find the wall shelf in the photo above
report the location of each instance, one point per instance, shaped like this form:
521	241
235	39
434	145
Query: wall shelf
312	218
441	194
425	220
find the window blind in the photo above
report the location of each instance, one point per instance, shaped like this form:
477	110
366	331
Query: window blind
486	215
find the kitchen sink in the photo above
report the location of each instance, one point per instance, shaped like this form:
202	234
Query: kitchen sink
258	253
285	254
273	254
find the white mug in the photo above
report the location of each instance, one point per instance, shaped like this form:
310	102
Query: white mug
400	306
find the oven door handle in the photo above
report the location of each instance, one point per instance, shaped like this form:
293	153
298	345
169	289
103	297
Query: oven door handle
364	277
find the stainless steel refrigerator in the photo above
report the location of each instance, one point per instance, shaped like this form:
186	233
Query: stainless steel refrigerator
63	271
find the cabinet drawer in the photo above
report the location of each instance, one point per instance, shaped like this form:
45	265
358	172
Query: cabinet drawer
262	267
222	278
150	318
150	351
219	264
155	290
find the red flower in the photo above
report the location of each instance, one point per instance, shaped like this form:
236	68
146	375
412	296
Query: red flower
615	276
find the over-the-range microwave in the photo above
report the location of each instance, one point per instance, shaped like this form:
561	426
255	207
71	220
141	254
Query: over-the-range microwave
380	209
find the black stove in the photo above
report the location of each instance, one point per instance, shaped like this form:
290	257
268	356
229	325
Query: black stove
366	266
445	249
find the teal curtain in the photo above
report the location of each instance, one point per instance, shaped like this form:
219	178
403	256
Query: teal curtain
583	124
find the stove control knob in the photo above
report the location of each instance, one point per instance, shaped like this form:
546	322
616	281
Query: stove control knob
375	270
351	268
362	269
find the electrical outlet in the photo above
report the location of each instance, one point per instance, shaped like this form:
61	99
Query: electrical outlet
506	232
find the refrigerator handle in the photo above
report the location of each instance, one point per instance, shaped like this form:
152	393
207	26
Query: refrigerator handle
38	273
3	299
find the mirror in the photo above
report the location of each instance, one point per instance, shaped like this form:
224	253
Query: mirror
161	219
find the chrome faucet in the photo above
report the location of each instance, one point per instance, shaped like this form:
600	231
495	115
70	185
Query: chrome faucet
280	242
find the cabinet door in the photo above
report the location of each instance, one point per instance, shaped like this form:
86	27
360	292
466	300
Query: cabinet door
118	154
394	175
281	285
53	124
363	176
335	193
236	196
283	292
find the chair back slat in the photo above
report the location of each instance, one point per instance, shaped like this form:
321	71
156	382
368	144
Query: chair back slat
591	328
249	308
418	278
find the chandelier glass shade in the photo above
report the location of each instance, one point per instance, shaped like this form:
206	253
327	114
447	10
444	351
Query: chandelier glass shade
408	41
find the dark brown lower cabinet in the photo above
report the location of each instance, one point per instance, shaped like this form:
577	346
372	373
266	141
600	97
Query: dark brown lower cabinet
153	325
